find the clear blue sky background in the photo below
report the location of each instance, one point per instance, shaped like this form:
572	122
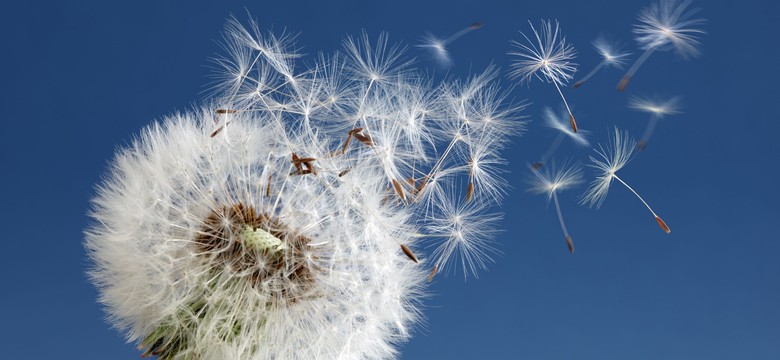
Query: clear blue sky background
80	79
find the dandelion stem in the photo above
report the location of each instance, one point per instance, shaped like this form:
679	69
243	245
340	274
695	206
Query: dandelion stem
460	33
635	193
563	225
554	146
661	223
590	74
632	70
648	132
571	117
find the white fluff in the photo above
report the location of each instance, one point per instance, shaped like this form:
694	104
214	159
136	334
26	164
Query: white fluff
185	272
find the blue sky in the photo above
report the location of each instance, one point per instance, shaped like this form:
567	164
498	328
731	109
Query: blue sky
80	80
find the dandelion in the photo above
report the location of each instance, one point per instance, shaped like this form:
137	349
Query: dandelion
610	54
438	47
558	122
665	25
285	219
612	159
547	55
550	182
657	109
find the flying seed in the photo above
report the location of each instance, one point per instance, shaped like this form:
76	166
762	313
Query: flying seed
409	253
433	272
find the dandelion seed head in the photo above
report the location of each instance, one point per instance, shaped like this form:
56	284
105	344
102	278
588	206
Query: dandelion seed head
553	178
610	52
547	54
610	159
668	24
278	220
560	122
437	48
656	106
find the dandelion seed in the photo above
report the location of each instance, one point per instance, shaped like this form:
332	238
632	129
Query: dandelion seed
433	272
547	55
611	55
663	26
558	122
657	109
438	47
612	159
408	252
552	180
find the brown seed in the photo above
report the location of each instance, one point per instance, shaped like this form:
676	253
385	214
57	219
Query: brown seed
578	84
365	139
226	111
302	172
623	83
268	187
304	160
641	145
573	123
537	165
346	144
310	168
344	172
433	272
412	185
662	224
399	190
215	132
422	184
297	162
409	253
570	244
469	192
